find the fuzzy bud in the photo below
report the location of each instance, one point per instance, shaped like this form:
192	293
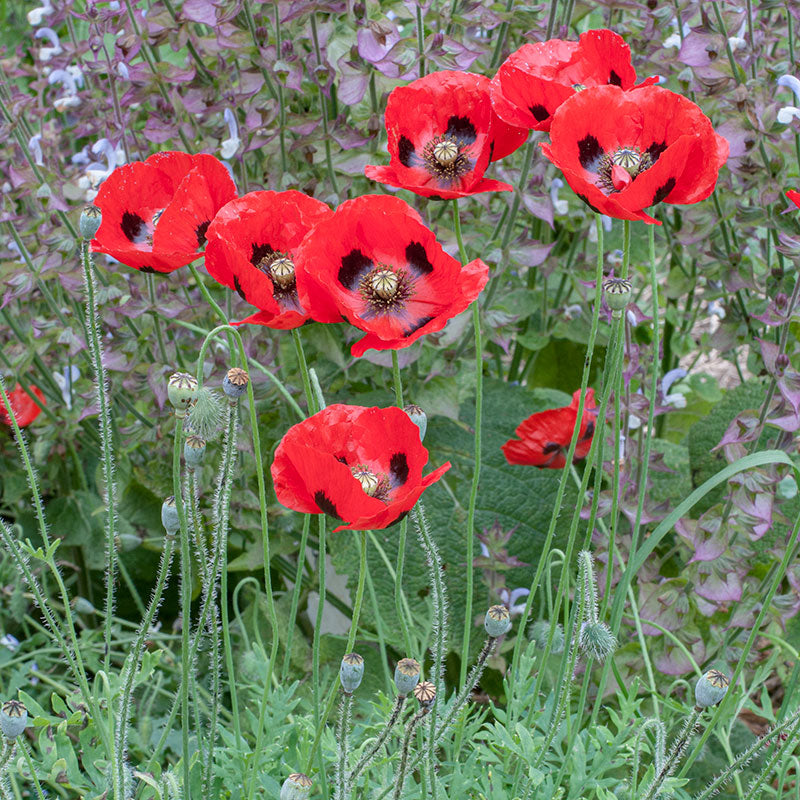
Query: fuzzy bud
205	414
617	292
169	516
194	450
83	606
539	633
234	384
90	220
406	675
181	390
710	688
497	621
13	718
418	417
425	692
597	641
351	672
296	787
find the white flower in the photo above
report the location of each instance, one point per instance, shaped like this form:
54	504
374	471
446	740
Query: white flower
36	149
510	599
673	40
67	101
65	379
46	53
233	142
122	69
10	642
559	206
36	15
714	309
787	114
675	399
737	43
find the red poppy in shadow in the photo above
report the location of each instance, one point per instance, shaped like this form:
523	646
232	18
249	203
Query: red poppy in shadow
362	466
442	135
544	437
536	79
622	152
156	212
375	263
24	408
251	246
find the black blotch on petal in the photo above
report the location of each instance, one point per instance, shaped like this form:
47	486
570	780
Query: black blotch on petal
398	467
238	287
397	519
342	459
461	128
354	265
663	191
325	504
589	431
589	150
656	149
146	269
435	197
551	447
418	259
585	200
200	232
260	251
614	79
132	225
405	149
491	150
416	326
540	113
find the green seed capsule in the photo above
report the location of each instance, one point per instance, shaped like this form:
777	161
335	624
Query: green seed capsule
169	516
13	718
181	390
296	787
406	675
90	220
497	621
617	293
418	417
234	384
425	693
351	672
194	450
710	688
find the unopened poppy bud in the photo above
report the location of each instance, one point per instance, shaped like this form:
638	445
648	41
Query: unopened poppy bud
425	693
418	417
90	220
205	414
234	384
351	672
169	516
539	633
127	541
194	450
296	787
13	718
406	675
617	293
83	606
597	641
181	390
710	688
497	621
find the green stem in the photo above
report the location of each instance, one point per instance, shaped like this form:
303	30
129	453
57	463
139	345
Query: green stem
298	585
324	107
301	361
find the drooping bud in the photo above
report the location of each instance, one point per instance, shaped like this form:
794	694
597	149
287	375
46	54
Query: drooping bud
234	384
425	693
205	414
13	718
617	293
296	787
418	417
169	516
597	641
90	220
181	390
406	675
539	633
710	688
351	672
194	450
497	621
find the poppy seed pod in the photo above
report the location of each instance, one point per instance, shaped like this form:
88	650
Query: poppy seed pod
194	450
497	621
351	672
710	688
234	384
296	787
617	292
181	390
597	641
425	693
418	417
89	223
539	633
169	516
13	718
406	675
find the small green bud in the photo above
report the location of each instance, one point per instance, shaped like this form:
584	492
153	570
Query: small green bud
351	672
596	640
617	292
296	787
90	220
181	390
787	488
710	688
497	621
13	718
234	384
406	675
83	606
539	633
127	541
425	692
205	414
418	417
169	516
194	449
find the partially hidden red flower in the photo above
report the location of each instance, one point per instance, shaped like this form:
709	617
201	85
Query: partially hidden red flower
536	79
544	437
360	465
156	212
376	264
794	197
251	249
622	152
24	408
442	135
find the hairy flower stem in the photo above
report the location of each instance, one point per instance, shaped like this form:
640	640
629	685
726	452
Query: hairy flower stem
32	769
106	438
373	751
400	778
303	364
323	100
675	754
341	781
753	790
298	585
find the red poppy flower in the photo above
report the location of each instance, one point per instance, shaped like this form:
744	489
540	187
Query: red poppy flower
360	465
624	151
156	212
544	437
24	408
794	197
251	246
375	263
536	79
442	134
